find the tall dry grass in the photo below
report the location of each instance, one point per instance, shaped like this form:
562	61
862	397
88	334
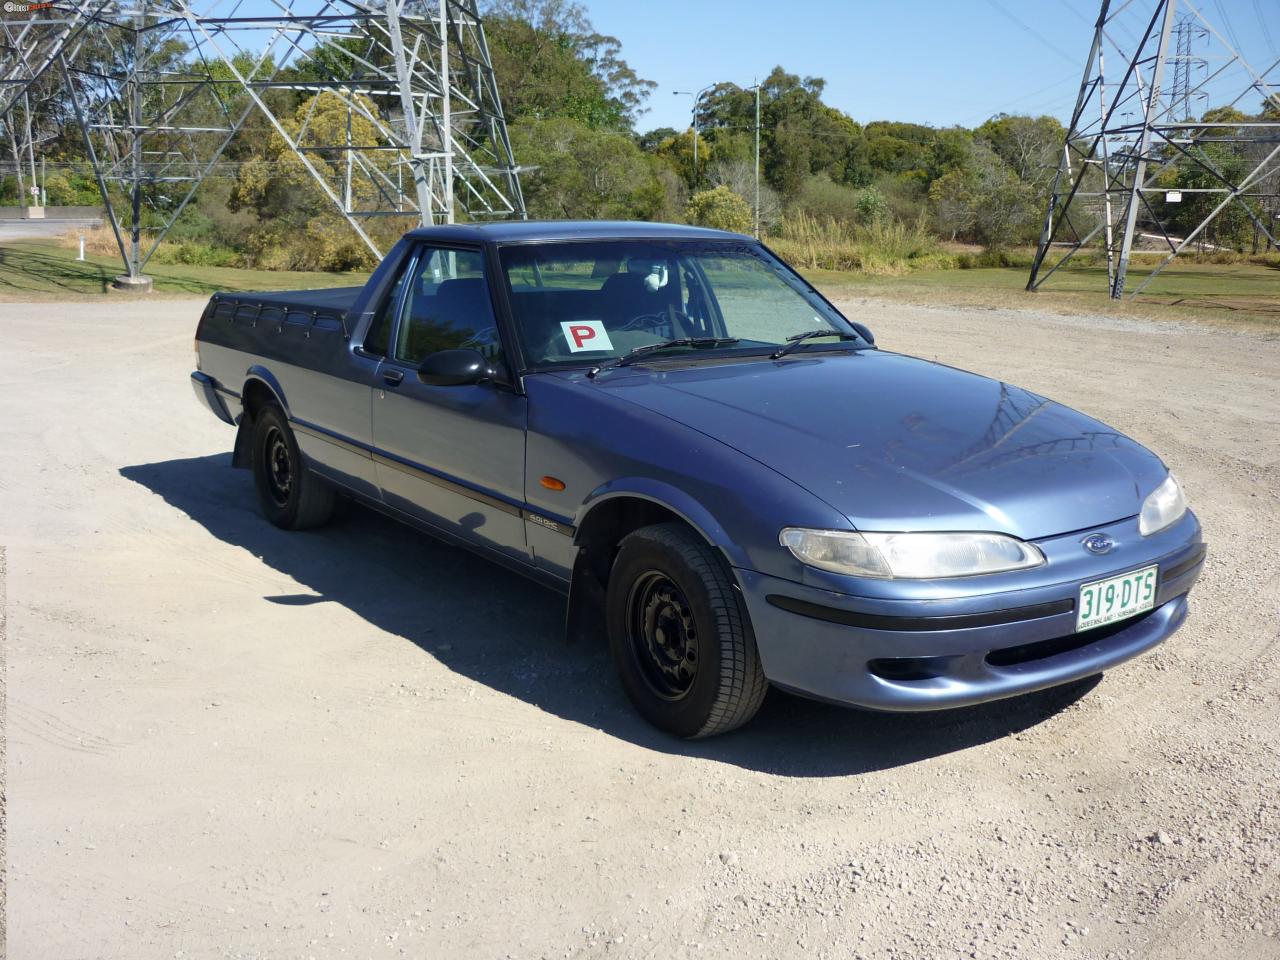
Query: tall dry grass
101	241
883	247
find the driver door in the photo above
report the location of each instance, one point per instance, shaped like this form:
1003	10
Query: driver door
453	455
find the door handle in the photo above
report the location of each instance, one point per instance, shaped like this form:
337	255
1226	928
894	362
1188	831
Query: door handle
392	378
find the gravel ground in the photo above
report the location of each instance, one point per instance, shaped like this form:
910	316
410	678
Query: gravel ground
229	741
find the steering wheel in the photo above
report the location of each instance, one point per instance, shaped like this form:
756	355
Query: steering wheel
649	321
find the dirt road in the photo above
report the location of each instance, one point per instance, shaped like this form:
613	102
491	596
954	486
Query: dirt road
229	741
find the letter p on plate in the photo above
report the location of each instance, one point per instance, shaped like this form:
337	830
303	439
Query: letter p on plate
586	336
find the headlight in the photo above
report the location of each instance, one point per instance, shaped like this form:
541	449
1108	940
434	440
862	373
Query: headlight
913	556
1165	506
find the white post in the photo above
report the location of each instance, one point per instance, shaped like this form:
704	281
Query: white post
81	257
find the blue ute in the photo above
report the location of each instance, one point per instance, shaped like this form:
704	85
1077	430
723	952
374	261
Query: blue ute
732	485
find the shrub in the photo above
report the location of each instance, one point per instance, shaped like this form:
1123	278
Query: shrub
871	205
1003	257
821	198
721	209
197	254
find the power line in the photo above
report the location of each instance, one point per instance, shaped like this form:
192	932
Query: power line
1070	7
1266	30
1226	22
1032	32
1071	77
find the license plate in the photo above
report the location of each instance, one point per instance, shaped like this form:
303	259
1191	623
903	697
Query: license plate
1106	601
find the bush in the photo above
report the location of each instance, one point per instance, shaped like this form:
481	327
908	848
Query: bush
820	198
823	199
721	209
872	207
71	189
197	254
1000	257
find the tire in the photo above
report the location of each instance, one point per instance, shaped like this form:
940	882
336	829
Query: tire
291	496
680	638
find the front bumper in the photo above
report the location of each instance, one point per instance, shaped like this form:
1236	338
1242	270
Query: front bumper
933	653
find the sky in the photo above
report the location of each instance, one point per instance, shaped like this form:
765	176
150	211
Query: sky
924	61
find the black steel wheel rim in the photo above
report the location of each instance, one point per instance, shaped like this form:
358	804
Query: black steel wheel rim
279	464
662	635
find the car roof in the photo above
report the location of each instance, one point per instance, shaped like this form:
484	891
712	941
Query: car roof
519	231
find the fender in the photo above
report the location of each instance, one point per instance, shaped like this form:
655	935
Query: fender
584	609
259	372
672	498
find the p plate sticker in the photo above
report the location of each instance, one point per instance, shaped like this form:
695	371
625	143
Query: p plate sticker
586	335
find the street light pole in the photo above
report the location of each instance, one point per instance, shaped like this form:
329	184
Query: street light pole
758	159
697	97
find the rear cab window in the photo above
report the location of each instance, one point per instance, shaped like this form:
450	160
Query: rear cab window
440	301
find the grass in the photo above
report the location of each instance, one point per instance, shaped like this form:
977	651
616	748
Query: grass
1229	294
47	270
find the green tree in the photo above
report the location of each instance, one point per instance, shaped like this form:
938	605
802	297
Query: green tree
583	172
550	63
799	134
1030	146
951	199
1005	209
297	225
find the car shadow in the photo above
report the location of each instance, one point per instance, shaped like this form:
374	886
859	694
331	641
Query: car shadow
500	629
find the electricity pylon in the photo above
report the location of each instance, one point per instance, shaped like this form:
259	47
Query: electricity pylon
392	108
1127	129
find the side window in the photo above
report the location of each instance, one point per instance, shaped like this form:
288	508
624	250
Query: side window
378	339
447	307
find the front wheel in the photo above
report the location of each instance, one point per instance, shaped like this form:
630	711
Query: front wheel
291	496
680	638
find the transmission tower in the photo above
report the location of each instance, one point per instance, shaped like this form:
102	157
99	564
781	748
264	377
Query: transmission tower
392	109
1186	33
1130	128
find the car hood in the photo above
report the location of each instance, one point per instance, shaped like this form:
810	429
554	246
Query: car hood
896	443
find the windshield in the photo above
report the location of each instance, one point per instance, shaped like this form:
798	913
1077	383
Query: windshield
587	302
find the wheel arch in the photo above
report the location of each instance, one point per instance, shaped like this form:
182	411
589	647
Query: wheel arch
260	388
620	507
614	511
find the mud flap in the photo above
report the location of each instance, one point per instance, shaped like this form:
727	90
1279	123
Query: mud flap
584	611
242	453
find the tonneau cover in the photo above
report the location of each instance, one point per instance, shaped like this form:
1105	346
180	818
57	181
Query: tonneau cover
335	299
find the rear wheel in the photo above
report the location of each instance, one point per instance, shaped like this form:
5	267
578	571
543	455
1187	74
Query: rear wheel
680	638
291	495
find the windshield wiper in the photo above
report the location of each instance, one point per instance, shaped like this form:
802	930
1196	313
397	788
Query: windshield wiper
641	352
796	339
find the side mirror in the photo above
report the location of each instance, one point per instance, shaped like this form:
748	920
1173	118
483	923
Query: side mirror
863	331
454	368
